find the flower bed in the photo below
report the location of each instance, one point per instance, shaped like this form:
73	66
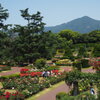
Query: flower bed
11	96
27	72
30	83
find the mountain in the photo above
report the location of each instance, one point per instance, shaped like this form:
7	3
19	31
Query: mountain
83	25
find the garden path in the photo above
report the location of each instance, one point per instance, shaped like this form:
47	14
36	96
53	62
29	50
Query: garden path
12	71
51	95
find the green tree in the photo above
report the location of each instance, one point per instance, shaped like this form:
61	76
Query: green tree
3	15
26	45
82	51
94	36
74	77
35	23
69	35
96	50
47	45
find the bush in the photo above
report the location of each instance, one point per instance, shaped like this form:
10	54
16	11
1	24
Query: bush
82	96
85	96
77	64
52	68
85	63
40	63
60	95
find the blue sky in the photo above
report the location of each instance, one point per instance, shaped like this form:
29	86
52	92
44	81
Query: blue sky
55	12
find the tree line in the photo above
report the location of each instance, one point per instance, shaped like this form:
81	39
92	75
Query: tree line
25	44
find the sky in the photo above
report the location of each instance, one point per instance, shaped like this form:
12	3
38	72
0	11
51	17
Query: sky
55	12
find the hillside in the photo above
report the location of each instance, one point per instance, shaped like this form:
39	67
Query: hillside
83	25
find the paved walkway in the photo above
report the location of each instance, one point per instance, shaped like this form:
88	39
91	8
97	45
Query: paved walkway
51	95
89	70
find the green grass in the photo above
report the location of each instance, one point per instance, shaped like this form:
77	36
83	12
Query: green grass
1	86
34	97
11	91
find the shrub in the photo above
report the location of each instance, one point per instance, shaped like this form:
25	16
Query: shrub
77	64
82	96
85	96
40	63
60	95
85	63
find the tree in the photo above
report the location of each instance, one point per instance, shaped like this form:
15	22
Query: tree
26	45
74	77
68	53
35	23
94	36
82	51
96	50
47	45
69	35
77	64
3	15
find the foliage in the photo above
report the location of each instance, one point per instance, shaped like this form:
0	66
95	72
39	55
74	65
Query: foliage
82	51
64	62
76	76
60	95
52	68
31	85
85	63
81	63
82	96
3	15
77	64
21	45
96	51
40	63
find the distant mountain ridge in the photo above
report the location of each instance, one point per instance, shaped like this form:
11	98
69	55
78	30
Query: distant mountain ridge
83	25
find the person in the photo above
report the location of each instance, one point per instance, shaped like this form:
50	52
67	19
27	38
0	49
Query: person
92	91
43	73
48	73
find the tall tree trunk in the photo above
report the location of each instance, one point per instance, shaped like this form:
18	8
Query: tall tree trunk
75	88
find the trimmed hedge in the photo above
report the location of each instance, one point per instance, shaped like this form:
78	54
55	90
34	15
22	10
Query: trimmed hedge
4	68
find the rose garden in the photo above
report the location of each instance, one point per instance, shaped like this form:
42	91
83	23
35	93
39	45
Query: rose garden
32	60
